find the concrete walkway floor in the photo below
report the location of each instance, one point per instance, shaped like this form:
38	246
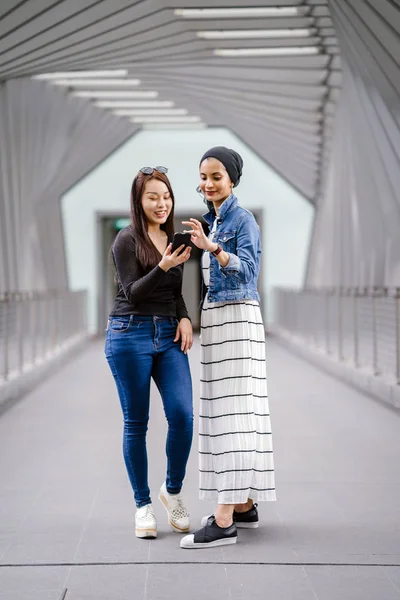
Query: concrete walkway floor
66	508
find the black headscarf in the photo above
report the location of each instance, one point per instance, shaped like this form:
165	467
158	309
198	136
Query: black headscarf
231	160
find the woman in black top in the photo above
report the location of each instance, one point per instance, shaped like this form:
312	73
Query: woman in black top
148	335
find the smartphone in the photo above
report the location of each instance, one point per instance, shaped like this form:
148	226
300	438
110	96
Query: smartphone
179	239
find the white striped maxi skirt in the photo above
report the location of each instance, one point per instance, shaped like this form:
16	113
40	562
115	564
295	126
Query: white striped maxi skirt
235	444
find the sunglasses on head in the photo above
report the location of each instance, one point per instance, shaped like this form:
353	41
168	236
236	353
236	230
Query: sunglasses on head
150	170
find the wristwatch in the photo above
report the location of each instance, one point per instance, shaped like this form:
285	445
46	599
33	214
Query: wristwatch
217	251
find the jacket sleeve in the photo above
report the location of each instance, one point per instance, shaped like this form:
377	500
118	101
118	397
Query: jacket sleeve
248	247
136	286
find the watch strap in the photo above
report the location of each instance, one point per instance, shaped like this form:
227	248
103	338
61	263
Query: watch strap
217	251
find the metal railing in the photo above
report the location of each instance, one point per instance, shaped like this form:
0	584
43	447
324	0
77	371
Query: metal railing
35	326
357	326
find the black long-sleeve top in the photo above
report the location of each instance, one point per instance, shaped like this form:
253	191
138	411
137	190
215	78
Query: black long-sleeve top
154	293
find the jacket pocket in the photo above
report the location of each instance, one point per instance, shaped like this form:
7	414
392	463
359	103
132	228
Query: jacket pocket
227	239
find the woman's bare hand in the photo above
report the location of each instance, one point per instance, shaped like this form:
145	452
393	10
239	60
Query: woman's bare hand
198	237
184	332
173	259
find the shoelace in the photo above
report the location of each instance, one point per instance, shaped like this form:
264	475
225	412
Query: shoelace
179	511
148	514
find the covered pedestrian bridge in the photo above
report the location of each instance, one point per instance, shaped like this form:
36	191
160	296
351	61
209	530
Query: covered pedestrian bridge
308	91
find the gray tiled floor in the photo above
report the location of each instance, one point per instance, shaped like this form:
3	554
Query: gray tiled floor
66	510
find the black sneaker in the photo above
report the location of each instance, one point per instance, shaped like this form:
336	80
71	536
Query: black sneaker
211	535
246	520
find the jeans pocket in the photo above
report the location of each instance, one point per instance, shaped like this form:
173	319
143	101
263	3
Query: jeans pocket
119	325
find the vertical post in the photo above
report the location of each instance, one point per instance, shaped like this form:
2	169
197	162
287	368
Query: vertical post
340	323
397	301
374	334
34	305
19	298
71	322
41	328
6	336
82	298
57	316
388	258
319	321
53	312
293	308
322	332
356	333
327	324
313	310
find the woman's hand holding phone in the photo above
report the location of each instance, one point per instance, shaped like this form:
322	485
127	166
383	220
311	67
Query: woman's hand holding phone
173	259
181	238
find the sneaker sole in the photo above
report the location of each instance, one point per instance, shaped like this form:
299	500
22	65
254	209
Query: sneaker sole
146	533
247	525
201	545
173	526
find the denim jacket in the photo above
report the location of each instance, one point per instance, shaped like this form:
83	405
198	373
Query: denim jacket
238	234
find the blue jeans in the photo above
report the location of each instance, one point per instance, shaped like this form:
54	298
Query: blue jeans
137	349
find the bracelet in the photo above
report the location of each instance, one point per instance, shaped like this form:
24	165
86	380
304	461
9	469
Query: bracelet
217	251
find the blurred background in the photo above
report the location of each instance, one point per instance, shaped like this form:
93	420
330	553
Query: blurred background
307	91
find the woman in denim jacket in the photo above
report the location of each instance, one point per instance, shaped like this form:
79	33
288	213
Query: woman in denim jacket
235	444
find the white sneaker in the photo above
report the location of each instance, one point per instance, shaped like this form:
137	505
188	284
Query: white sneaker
145	521
178	516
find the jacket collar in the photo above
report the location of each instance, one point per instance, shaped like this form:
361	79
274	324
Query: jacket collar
226	206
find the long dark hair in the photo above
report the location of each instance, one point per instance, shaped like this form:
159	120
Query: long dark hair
146	252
